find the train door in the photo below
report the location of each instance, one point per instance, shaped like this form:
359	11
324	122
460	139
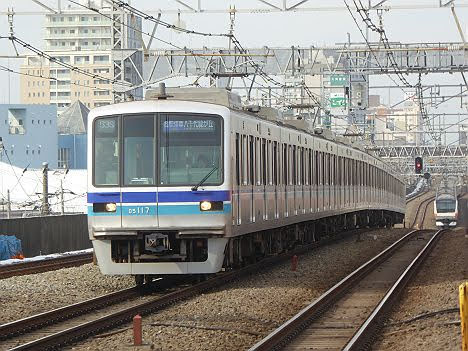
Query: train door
264	180
236	183
140	193
245	204
252	177
275	177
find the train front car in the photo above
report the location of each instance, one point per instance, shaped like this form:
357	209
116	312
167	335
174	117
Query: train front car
446	210
446	203
158	187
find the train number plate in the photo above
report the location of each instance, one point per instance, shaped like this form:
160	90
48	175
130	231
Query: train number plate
140	211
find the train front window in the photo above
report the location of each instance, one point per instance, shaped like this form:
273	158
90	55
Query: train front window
445	206
138	150
106	151
190	147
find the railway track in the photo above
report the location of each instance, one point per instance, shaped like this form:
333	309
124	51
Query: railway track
66	325
33	267
349	314
421	212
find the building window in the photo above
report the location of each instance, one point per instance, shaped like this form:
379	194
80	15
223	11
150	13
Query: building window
32	121
70	19
64	158
38	151
27	151
33	152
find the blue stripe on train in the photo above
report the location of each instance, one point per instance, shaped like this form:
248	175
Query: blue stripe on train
163	196
163	210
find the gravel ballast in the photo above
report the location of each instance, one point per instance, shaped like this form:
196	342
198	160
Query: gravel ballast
23	296
242	312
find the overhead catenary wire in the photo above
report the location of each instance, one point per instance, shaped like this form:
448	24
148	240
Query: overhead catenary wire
6	69
368	45
97	11
364	13
73	68
135	11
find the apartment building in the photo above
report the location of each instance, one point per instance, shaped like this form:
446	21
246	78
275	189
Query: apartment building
83	39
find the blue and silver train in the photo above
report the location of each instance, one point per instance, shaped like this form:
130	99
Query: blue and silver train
189	182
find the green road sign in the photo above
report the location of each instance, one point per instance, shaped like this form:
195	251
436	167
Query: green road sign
337	102
338	80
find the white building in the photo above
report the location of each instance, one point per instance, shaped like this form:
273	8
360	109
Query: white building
84	39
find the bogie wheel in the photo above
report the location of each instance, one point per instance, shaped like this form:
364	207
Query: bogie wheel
139	279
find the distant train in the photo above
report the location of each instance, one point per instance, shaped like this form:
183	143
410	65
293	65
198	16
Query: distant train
446	203
192	183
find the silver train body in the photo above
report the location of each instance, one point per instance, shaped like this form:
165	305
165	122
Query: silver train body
446	203
181	187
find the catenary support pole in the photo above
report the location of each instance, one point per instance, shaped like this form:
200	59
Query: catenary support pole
45	189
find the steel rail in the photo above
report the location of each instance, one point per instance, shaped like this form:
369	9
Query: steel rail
125	315
286	332
423	204
24	325
32	267
365	336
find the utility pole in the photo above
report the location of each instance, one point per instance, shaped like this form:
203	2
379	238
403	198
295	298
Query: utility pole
45	189
62	205
8	204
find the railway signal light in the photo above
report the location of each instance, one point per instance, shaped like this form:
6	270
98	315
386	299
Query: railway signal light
418	165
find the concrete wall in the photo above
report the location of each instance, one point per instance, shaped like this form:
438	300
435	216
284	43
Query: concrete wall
46	235
77	144
29	135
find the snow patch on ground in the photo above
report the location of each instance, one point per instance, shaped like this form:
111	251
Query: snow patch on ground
25	187
44	257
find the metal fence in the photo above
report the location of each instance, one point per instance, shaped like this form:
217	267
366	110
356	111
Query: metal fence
50	234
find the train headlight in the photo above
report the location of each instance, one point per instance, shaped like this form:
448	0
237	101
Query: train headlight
205	205
111	207
211	206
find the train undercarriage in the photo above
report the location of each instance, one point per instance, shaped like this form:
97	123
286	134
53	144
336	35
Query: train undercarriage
246	249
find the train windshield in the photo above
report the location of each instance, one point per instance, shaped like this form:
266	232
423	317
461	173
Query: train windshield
190	147
183	150
106	151
445	206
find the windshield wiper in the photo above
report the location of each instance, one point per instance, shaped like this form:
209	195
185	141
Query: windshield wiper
195	188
